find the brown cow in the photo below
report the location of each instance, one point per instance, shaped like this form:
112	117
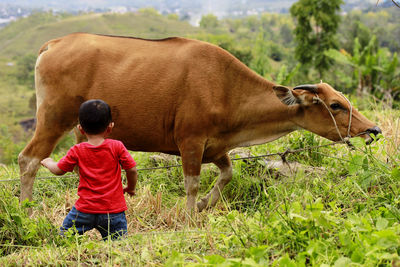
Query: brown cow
177	96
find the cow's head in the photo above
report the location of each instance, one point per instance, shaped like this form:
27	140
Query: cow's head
326	112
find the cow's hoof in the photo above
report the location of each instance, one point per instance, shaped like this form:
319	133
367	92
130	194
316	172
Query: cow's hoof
202	204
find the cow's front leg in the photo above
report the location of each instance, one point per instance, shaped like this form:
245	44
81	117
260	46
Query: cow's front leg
191	188
192	154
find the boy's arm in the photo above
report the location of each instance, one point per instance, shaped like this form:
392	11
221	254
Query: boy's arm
50	164
131	177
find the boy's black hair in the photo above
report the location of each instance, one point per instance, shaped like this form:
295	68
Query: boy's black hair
94	116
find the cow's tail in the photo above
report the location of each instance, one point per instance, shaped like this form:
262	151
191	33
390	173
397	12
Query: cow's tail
46	46
39	84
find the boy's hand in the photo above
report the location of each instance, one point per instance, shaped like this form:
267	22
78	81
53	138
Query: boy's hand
46	162
130	192
131	177
52	166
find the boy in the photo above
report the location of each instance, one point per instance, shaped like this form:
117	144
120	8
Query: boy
101	202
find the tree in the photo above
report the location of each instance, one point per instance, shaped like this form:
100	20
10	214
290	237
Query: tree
26	70
209	22
226	42
260	62
352	27
317	23
375	69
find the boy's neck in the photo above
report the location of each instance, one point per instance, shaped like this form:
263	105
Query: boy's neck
95	140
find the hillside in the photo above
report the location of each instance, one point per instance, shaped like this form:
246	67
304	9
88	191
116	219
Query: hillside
28	34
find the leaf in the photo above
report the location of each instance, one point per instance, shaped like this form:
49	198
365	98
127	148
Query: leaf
379	69
358	142
357	255
355	164
286	262
28	204
215	259
174	259
294	215
387	238
90	245
381	223
339	57
395	174
17	219
342	262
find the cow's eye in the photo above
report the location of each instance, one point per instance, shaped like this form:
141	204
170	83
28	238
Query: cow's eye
336	106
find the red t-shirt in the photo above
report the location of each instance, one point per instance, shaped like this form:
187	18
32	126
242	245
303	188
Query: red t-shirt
100	186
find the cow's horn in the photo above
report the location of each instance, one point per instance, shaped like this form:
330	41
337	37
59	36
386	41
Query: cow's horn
309	87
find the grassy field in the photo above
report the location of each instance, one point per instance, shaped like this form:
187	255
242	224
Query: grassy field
342	208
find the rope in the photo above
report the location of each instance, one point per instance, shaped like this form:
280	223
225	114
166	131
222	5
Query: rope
281	154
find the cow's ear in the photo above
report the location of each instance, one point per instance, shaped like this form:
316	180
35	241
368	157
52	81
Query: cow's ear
287	96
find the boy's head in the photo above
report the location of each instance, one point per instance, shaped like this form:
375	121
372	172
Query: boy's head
94	116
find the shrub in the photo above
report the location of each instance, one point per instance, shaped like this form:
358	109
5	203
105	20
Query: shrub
18	229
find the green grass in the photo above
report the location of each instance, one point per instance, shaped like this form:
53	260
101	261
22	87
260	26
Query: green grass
345	214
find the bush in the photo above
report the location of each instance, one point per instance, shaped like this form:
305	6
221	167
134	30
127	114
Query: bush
18	229
10	149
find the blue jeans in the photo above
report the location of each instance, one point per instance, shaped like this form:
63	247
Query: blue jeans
113	224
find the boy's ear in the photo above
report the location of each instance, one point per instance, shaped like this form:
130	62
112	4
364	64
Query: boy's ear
81	129
109	127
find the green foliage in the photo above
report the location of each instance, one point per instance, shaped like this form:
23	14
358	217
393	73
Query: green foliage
209	22
227	42
383	24
285	76
10	148
375	69
317	23
149	11
173	16
18	229
26	70
354	29
260	62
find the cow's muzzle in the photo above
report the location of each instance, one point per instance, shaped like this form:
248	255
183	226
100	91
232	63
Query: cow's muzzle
375	131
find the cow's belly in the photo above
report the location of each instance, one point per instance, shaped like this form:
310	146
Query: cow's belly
148	136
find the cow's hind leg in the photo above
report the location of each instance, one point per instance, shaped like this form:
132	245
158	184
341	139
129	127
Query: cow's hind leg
48	131
191	153
225	165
